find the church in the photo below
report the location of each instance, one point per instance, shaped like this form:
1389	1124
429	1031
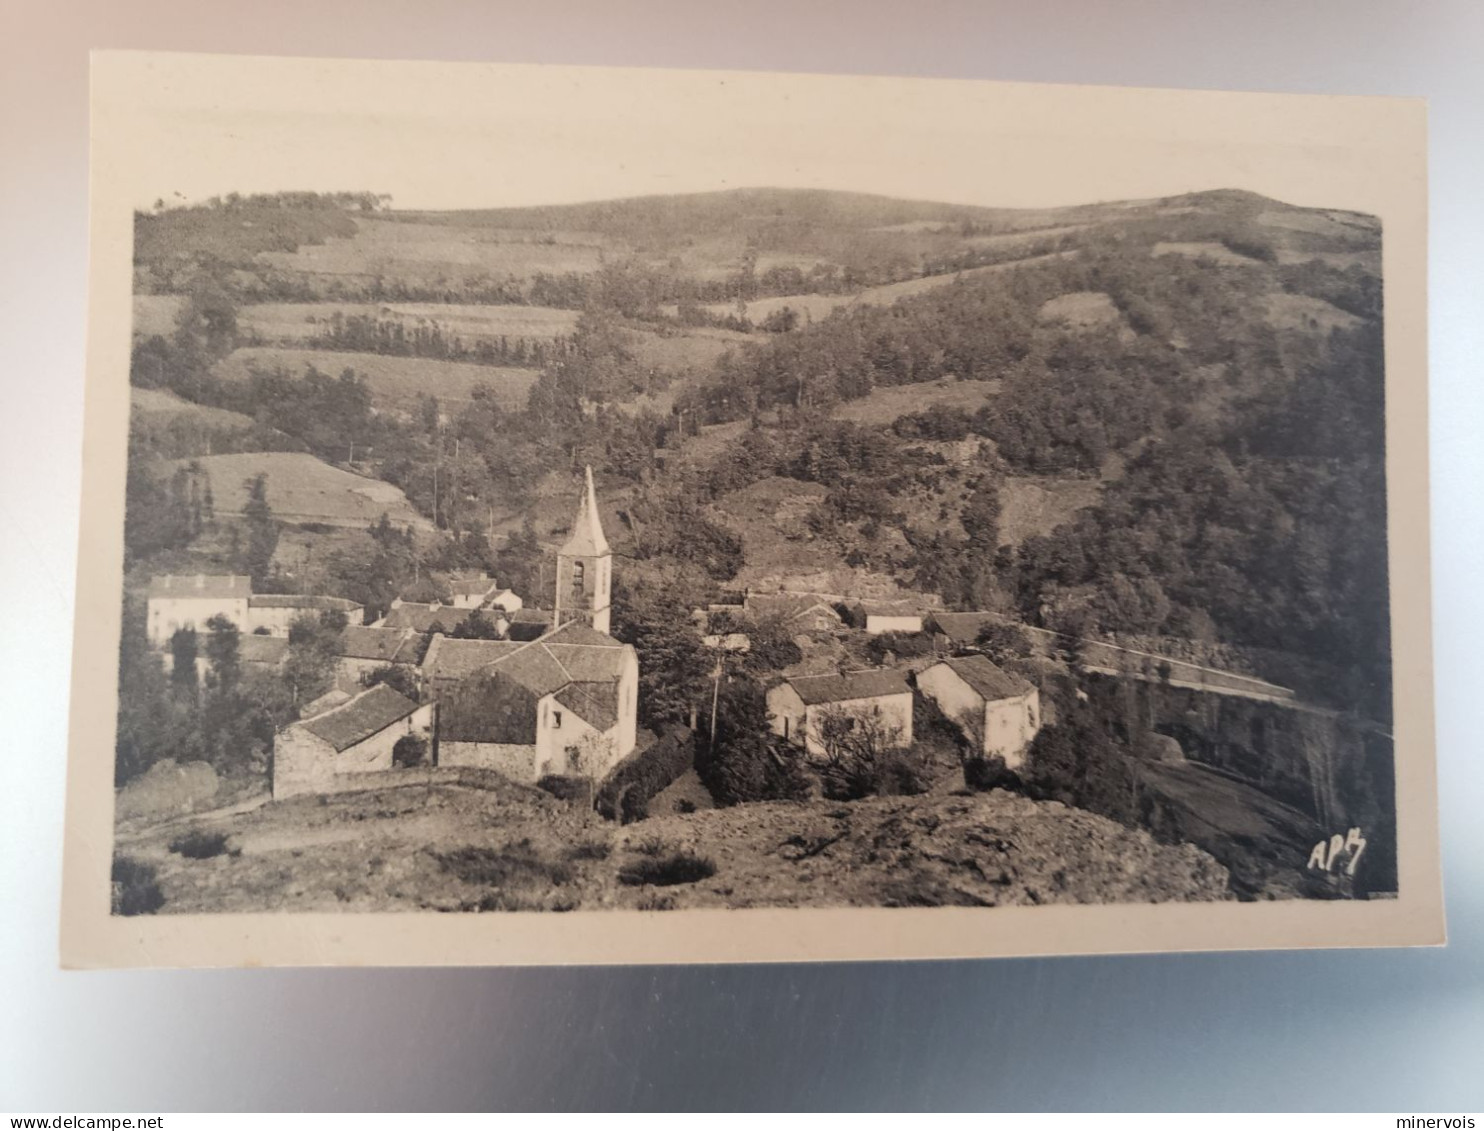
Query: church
565	703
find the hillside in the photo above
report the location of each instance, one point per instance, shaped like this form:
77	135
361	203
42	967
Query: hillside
302	488
452	848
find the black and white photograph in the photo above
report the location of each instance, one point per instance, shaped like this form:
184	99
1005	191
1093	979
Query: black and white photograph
640	492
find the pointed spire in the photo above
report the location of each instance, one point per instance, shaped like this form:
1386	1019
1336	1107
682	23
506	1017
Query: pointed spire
587	539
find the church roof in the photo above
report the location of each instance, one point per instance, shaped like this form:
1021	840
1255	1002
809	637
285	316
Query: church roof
448	658
587	538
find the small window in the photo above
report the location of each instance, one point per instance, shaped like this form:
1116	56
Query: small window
556	720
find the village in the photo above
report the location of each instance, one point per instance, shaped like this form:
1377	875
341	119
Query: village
552	695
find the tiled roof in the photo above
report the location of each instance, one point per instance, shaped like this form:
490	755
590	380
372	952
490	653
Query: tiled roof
471	586
455	659
200	585
787	605
390	645
299	601
529	615
815	689
963	627
420	618
985	677
597	703
253	648
368	713
880	609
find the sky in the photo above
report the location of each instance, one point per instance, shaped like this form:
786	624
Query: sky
448	136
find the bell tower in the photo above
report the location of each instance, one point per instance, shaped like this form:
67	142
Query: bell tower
584	567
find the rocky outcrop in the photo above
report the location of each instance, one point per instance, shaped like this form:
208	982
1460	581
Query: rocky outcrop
988	849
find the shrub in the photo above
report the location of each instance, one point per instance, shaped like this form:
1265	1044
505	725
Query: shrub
590	850
135	891
410	750
625	794
197	845
515	864
666	870
565	788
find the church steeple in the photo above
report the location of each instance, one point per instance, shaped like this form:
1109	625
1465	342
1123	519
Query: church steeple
584	566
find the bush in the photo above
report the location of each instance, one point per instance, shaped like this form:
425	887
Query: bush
196	845
590	850
625	794
410	750
135	891
514	865
564	788
666	870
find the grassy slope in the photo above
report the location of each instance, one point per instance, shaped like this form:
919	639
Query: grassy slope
302	488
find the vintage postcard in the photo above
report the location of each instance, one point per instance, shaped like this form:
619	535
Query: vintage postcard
550	515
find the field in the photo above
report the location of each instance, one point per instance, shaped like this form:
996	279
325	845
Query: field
156	406
1301	312
888	402
426	253
155	314
395	382
1081	310
1032	506
1218	252
287	322
812	307
302	488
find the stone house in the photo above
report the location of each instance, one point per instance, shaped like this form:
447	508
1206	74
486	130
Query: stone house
363	649
356	737
801	612
189	601
420	618
566	704
450	661
472	592
997	710
799	706
276	612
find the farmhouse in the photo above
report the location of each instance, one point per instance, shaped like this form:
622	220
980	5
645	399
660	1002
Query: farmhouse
176	602
564	704
962	629
998	711
801	612
877	619
473	592
363	649
506	601
423	618
798	707
357	737
277	611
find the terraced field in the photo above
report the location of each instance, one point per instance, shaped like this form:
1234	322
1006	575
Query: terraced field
395	382
286	322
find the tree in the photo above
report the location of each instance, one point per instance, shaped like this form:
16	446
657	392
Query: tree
262	531
183	679
863	755
674	670
223	651
410	750
313	656
396	676
744	763
476	626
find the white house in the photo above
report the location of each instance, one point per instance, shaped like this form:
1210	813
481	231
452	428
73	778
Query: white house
999	711
277	611
798	707
356	737
878	619
564	704
472	592
189	601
